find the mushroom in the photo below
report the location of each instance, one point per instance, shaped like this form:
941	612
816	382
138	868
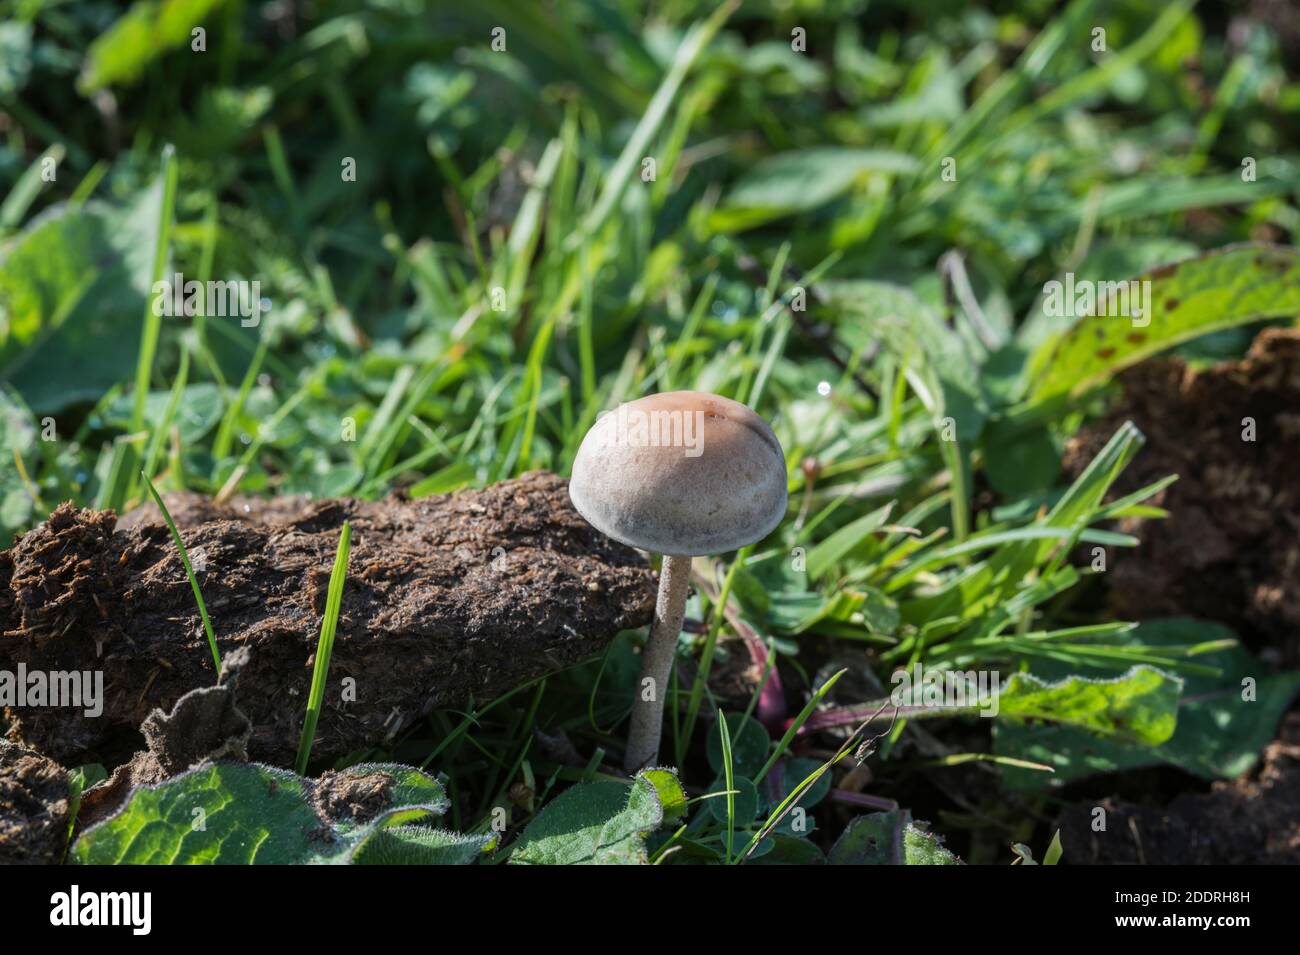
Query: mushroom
683	474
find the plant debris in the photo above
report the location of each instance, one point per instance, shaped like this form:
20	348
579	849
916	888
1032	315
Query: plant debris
449	600
1230	548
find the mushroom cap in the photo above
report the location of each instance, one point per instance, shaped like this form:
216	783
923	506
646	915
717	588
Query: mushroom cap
683	473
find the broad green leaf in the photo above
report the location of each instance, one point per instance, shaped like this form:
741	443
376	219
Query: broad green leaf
1219	734
599	823
1105	260
245	813
888	838
200	409
1217	290
17	442
671	795
1139	705
73	287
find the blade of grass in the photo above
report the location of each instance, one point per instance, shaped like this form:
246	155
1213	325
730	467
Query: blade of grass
153	322
616	182
189	570
706	656
324	648
724	732
794	726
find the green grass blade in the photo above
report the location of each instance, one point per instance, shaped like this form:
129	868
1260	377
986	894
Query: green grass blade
324	649
724	733
793	728
189	570
152	322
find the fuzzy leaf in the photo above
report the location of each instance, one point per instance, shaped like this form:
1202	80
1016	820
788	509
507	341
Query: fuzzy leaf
246	813
599	823
1141	704
1219	734
888	838
423	845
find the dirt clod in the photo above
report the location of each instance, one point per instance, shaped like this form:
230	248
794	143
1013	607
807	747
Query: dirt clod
1230	548
1249	821
448	599
35	802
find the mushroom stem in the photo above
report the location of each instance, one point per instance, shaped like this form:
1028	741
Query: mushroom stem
657	663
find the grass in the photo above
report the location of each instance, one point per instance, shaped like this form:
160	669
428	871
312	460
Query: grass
189	571
499	272
324	648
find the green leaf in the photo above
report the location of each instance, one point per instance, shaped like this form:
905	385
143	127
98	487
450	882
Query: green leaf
17	438
1217	290
148	30
794	771
671	795
15	56
797	181
750	743
888	838
72	289
197	414
423	845
1020	462
1141	704
845	540
599	823
247	813
745	802
1054	851
788	850
1219	734
942	364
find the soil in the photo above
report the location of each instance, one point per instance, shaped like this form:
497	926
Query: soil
1249	821
1228	551
35	806
448	600
1230	548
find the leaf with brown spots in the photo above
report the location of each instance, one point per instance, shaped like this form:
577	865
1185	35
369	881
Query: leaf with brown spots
1231	286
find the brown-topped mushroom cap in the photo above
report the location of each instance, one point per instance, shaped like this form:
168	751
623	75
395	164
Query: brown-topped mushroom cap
684	473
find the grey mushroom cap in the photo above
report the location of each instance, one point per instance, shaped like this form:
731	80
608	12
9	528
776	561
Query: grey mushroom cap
684	473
